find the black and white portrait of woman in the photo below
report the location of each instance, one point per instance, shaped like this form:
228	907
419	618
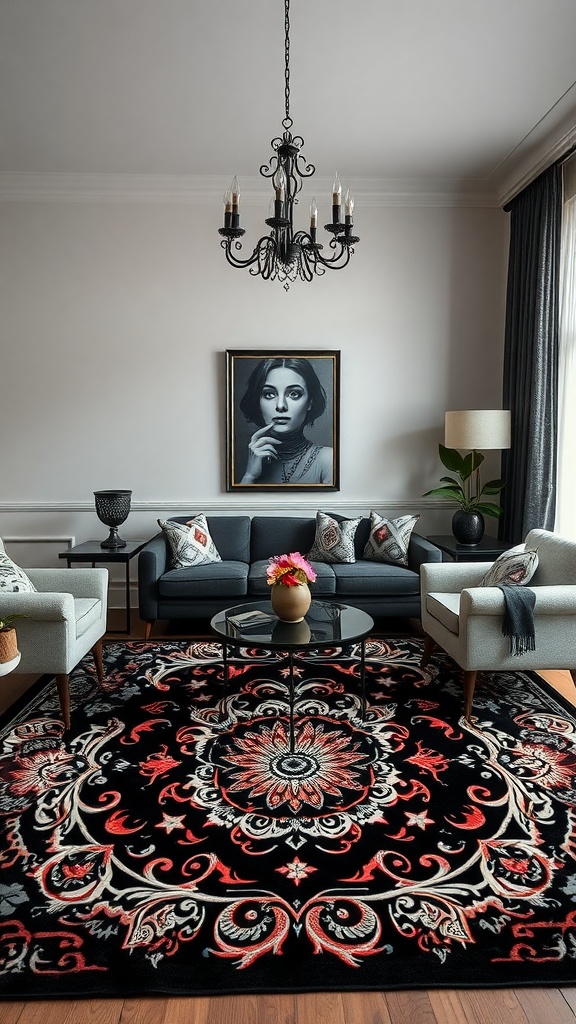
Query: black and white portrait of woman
282	420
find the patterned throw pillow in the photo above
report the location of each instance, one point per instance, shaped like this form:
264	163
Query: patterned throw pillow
515	567
334	540
389	539
190	543
13	578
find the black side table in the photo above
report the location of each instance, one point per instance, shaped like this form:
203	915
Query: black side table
486	550
91	551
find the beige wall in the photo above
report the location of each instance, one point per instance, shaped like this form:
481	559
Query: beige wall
114	317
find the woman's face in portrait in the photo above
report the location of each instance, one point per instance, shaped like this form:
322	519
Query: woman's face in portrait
284	401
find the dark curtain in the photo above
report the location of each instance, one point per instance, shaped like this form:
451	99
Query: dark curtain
530	388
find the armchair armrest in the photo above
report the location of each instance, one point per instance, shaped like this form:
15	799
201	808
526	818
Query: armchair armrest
550	600
41	607
78	582
452	577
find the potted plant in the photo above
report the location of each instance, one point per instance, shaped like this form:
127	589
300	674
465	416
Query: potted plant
8	639
468	492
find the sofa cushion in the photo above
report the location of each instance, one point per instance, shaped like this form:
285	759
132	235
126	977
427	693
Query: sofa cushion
323	586
211	579
446	609
275	535
389	538
334	539
375	579
190	542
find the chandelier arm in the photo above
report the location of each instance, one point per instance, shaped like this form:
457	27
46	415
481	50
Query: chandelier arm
262	245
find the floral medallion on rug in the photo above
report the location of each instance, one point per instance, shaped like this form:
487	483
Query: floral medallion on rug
173	843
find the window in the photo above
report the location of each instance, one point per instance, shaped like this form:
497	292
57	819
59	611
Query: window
565	523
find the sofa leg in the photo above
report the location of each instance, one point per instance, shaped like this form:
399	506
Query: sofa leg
148	630
64	695
469	685
429	645
97	655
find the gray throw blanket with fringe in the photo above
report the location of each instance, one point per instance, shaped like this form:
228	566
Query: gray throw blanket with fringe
518	621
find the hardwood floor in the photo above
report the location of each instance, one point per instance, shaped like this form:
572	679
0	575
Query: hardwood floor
438	1006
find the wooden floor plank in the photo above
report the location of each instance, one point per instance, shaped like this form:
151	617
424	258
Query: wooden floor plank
320	1008
151	1010
545	1004
410	1007
452	1007
366	1006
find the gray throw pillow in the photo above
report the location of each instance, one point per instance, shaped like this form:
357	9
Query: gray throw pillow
515	567
13	579
334	540
389	539
190	543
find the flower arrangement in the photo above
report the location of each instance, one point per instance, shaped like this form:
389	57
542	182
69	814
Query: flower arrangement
290	570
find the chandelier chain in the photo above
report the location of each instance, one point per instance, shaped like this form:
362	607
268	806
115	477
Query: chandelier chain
287	123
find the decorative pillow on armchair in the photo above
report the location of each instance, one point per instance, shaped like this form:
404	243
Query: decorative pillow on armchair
190	543
515	567
334	540
389	539
12	578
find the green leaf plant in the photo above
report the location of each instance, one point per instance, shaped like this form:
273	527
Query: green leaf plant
6	622
467	491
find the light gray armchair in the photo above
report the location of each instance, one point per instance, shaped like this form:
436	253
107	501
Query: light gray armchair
66	619
466	620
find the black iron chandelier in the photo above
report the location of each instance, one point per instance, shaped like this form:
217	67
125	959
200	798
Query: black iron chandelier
284	254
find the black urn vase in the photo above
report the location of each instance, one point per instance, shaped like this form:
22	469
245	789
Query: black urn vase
112	509
468	527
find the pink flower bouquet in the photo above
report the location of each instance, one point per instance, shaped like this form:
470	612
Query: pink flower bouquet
290	570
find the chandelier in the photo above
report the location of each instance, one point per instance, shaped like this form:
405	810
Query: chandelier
284	254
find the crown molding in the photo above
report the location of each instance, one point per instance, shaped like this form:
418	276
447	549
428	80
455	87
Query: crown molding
551	139
30	187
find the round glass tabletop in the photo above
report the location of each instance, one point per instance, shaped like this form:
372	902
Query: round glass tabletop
327	623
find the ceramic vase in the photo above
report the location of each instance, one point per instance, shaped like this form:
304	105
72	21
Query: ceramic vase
8	644
290	604
468	527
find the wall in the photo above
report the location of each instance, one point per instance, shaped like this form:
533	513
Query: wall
114	319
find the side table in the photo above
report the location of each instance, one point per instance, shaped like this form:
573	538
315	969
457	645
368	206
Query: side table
486	550
91	551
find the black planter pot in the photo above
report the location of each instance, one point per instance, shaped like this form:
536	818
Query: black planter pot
468	527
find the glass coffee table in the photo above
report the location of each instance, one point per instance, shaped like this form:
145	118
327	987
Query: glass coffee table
327	624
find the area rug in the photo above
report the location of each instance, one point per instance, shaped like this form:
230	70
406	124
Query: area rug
173	844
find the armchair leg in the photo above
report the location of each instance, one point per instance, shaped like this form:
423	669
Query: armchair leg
64	695
97	655
148	630
429	645
469	685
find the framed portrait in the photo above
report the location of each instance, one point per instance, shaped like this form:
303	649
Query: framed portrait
283	420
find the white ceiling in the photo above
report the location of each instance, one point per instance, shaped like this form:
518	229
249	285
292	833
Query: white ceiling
475	92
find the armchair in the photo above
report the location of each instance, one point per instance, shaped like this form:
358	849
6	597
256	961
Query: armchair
465	619
66	618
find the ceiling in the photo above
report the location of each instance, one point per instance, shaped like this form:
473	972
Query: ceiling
477	93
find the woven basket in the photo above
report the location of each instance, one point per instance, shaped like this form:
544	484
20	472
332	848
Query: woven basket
8	644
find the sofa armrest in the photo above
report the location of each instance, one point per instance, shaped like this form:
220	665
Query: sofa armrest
152	564
421	550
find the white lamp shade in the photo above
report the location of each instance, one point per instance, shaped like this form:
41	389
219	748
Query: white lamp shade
477	429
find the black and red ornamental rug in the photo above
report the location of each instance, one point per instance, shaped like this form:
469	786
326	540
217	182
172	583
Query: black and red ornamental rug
174	844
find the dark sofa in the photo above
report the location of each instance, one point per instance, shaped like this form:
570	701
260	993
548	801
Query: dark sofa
245	544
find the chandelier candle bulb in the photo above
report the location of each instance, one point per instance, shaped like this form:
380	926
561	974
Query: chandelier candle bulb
228	208
336	199
313	220
235	190
349	208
